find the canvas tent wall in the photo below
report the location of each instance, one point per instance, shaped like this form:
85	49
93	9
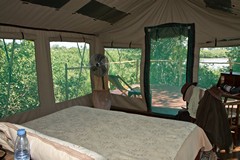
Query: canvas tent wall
66	21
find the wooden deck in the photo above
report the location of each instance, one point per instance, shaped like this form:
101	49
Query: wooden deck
164	96
167	96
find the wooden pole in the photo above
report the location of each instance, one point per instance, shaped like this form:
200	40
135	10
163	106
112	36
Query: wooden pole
66	80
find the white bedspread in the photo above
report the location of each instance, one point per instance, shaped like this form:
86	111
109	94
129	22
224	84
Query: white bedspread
124	136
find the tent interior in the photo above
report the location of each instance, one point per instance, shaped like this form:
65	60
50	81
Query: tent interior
38	30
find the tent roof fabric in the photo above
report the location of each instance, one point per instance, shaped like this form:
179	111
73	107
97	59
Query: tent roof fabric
132	15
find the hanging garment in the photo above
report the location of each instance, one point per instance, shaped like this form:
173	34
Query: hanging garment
211	116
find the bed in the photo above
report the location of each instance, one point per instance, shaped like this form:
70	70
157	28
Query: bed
124	136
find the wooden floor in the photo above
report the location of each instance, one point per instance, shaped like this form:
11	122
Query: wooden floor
235	155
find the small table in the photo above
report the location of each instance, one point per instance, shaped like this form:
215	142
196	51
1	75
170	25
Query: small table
232	79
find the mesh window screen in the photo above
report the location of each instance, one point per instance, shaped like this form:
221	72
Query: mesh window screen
48	3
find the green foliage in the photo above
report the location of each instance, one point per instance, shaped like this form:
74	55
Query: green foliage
234	54
208	77
18	85
71	74
125	63
168	61
214	53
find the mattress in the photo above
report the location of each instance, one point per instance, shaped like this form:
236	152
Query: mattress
124	136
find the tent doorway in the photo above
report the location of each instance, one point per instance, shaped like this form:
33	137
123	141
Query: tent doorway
168	66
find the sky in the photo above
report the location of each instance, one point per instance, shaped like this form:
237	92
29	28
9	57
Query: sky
68	44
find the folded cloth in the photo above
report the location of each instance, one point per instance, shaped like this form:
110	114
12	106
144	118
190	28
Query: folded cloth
197	94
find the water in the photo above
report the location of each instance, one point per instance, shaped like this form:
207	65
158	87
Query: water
22	155
214	60
215	63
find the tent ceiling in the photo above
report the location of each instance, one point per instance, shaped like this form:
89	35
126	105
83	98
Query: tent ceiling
121	21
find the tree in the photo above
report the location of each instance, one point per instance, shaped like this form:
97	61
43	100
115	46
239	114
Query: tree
234	55
19	90
71	74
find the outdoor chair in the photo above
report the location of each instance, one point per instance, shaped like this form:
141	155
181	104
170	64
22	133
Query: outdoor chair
123	86
232	108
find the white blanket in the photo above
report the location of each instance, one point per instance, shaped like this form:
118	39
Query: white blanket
124	136
43	147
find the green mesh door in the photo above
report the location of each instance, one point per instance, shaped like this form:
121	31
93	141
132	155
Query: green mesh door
168	64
